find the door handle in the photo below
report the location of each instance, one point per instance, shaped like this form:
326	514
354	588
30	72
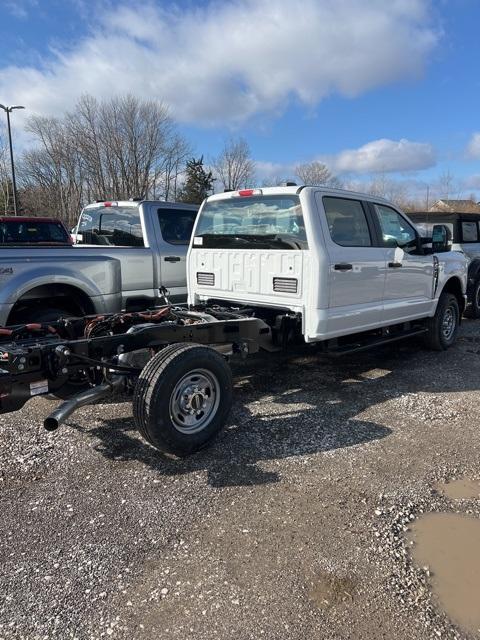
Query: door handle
172	259
343	266
394	265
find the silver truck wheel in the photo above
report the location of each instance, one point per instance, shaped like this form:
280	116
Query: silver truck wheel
194	401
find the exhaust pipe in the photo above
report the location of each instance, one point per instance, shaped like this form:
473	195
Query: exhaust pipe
62	412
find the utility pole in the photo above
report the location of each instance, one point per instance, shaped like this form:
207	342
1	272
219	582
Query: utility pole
8	111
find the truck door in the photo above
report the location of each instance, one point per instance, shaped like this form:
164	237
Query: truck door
356	266
409	276
174	228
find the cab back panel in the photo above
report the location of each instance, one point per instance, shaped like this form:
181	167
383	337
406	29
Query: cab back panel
247	275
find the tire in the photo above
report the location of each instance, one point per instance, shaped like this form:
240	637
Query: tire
443	327
474	307
182	398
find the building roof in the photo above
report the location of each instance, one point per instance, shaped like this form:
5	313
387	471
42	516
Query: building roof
459	206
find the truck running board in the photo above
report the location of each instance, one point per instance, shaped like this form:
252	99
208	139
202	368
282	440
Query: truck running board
376	341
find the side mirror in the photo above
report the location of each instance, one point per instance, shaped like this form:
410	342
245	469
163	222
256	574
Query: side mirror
440	238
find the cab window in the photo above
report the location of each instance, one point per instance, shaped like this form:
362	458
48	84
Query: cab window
469	232
115	226
396	231
176	225
347	222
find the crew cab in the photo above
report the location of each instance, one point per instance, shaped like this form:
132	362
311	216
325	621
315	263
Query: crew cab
326	265
465	237
125	254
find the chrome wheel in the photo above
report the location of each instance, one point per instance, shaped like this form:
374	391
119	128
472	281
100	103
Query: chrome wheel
194	401
449	322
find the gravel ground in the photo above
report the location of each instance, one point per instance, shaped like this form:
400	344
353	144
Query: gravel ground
290	526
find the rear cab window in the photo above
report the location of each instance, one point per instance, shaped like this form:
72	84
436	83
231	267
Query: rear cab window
254	222
176	225
111	226
33	232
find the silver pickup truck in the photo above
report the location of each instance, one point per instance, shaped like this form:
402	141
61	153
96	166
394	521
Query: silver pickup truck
124	253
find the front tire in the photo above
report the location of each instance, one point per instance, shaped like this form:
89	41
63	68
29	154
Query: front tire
443	327
182	398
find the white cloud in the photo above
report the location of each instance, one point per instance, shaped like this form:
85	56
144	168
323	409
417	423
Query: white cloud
473	148
266	170
385	155
227	62
19	8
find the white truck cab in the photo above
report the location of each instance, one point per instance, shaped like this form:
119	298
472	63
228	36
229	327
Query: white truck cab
332	262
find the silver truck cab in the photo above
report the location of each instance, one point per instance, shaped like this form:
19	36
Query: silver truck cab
126	254
149	237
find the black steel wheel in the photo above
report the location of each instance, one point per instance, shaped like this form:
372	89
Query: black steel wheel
443	327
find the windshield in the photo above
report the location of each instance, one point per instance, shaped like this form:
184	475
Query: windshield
33	232
260	222
117	226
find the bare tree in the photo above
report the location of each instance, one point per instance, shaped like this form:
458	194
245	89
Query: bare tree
316	173
276	181
446	185
117	149
169	175
53	169
384	186
234	167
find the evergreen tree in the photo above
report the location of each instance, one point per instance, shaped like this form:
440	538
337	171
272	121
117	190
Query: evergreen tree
198	182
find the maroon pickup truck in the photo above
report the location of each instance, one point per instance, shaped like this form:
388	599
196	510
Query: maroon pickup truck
23	230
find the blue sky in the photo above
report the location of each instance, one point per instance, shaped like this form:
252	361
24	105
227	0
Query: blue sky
365	85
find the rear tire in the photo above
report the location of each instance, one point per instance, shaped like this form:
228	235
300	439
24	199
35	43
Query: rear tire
443	327
182	398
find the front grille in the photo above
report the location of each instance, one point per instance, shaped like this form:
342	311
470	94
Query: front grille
285	285
206	279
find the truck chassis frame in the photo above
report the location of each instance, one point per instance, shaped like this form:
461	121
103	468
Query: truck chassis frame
82	360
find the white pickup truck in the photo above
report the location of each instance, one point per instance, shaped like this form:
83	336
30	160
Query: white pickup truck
326	265
266	268
465	235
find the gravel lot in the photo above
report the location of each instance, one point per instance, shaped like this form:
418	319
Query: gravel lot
290	526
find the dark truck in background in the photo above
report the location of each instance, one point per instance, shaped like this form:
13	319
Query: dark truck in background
125	254
465	236
24	231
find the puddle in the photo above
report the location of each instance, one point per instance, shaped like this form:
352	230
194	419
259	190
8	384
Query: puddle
463	488
327	590
449	544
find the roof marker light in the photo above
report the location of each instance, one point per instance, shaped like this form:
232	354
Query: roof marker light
110	204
